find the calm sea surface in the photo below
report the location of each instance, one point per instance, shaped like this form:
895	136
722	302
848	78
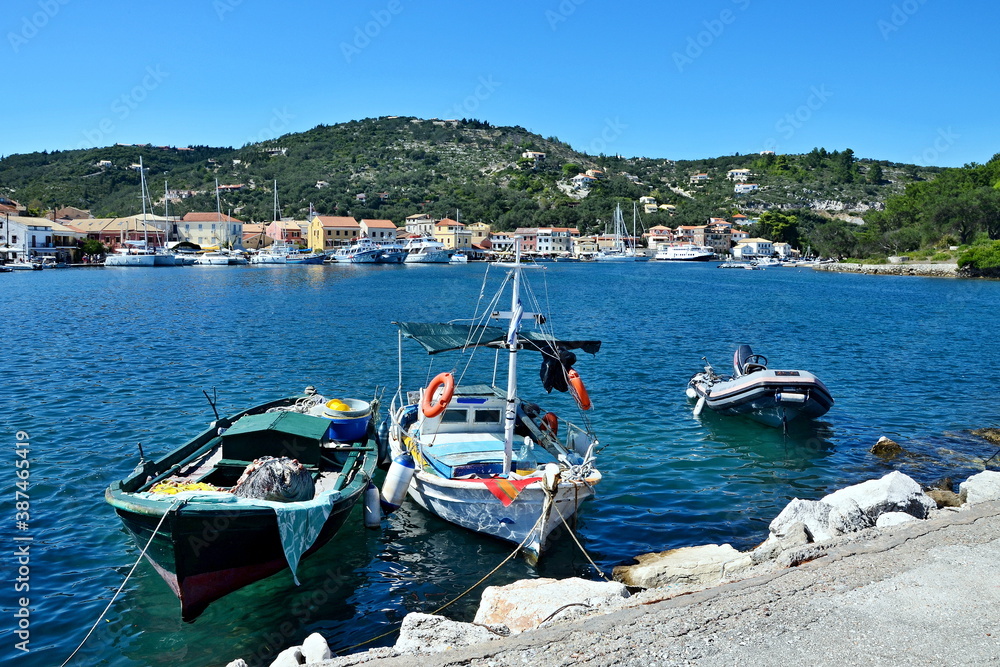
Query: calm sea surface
97	360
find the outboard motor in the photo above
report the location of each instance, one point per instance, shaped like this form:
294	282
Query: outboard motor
740	358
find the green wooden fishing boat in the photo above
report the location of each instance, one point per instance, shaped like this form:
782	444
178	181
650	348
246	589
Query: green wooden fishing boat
204	540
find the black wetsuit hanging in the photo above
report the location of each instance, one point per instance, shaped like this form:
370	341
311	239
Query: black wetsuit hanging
553	373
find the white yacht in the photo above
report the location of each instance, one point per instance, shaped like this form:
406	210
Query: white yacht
684	252
425	250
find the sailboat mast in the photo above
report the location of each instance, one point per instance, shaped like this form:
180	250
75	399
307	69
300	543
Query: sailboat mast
166	215
142	190
218	212
516	310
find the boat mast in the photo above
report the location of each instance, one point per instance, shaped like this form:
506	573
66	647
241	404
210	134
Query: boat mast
218	213
516	311
142	190
166	215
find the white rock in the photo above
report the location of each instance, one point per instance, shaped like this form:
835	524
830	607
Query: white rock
894	492
814	514
980	488
894	519
525	604
239	662
848	517
689	566
315	648
290	657
425	633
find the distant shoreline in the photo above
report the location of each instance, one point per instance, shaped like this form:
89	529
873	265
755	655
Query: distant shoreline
948	270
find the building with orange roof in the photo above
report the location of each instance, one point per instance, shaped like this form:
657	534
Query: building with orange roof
327	232
209	229
379	231
453	234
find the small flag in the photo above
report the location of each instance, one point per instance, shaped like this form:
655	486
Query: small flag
507	490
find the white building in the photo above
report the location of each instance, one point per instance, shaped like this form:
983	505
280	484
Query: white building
744	188
753	249
740	175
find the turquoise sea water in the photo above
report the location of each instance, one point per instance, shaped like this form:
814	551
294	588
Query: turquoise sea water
97	360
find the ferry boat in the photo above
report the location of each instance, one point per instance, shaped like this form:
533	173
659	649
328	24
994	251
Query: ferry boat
684	252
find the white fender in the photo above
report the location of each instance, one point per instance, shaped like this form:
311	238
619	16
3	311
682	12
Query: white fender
373	509
397	480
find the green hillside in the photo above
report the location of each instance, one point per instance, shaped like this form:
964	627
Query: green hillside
467	168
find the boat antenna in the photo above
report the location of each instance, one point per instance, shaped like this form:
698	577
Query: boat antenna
212	401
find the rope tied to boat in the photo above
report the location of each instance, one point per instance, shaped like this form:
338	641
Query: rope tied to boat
180	502
467	590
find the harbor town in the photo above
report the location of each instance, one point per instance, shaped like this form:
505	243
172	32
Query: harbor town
61	235
500	334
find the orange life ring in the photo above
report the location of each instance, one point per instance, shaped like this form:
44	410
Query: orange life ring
579	391
434	409
550	423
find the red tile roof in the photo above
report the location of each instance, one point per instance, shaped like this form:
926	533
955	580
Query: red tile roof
195	216
337	221
380	224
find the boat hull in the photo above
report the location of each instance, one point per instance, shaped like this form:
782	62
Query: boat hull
471	505
206	548
130	260
203	553
770	397
432	257
316	259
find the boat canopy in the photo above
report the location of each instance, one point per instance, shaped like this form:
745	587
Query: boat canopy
443	337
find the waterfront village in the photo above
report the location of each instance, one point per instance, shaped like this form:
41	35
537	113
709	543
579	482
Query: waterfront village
60	236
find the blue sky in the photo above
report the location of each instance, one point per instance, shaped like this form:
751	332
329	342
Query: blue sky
903	80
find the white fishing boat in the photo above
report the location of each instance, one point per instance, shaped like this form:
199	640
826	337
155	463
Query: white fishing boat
683	252
458	450
425	250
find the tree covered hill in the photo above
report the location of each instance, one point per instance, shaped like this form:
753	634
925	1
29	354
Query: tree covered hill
469	168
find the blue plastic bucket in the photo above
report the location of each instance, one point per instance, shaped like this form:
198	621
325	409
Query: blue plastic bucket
348	425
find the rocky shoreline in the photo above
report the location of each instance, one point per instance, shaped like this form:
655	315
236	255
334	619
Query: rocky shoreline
931	270
517	622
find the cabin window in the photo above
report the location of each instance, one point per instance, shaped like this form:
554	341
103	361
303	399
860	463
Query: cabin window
455	417
487	416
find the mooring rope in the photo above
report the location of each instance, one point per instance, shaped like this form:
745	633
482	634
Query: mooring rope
573	535
170	509
463	593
